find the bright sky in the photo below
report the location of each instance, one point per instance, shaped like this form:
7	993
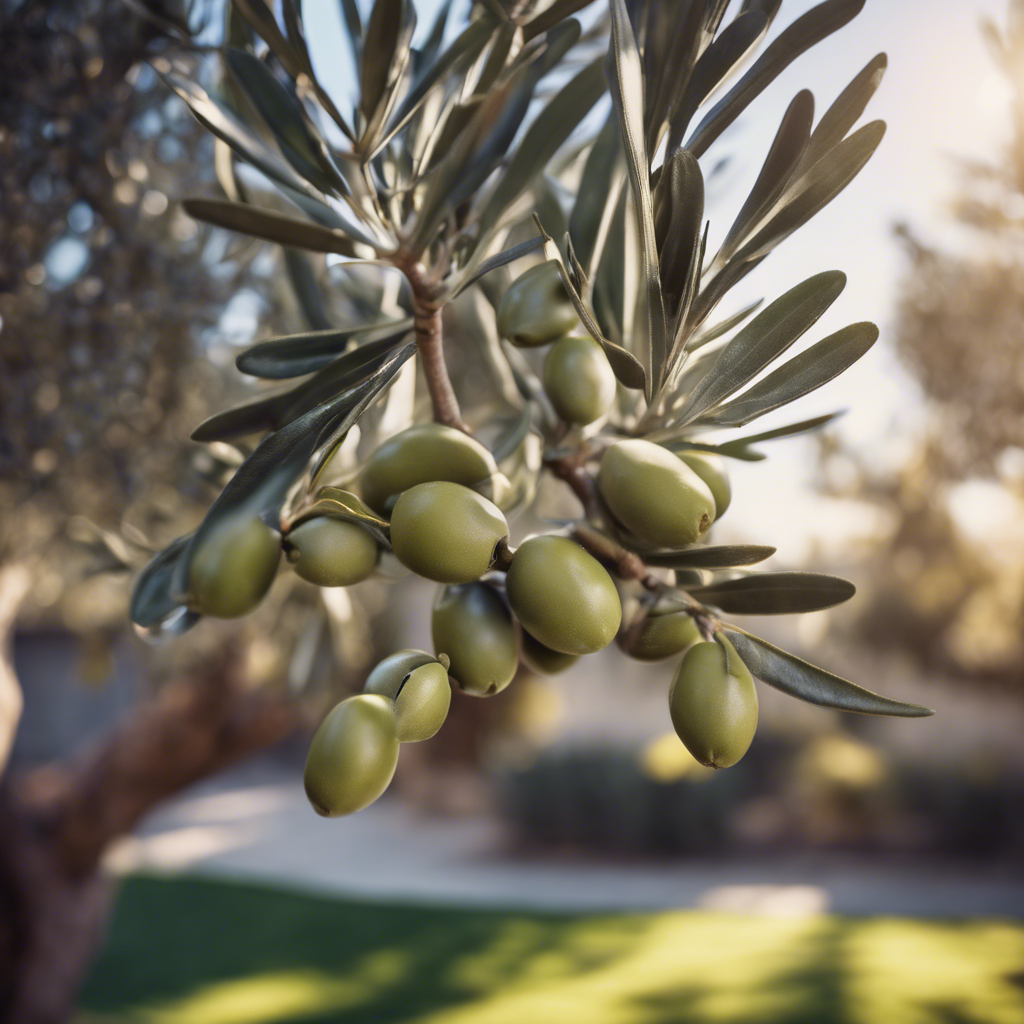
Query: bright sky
942	99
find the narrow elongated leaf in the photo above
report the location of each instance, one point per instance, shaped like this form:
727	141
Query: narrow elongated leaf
799	376
297	354
500	259
262	482
603	176
152	600
307	290
548	132
724	557
673	39
348	507
815	189
763	340
385	53
261	18
799	678
844	113
811	28
679	216
791	430
714	66
273	227
786	151
740	448
552	15
625	77
723	327
776	593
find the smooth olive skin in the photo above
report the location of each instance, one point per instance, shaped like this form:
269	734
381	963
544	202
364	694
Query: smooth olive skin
233	567
663	636
711	469
446	532
535	309
544	660
387	675
474	628
563	596
421	706
578	379
654	494
424	452
713	704
331	552
353	756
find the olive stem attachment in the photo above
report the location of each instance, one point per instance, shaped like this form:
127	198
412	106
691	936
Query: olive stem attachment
628	565
426	307
570	469
502	556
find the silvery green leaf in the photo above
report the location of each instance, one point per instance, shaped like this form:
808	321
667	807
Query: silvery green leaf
625	77
717	288
261	18
776	593
783	158
554	13
307	290
799	678
603	176
723	327
500	259
815	189
701	557
763	340
152	600
799	376
672	40
385	57
679	216
810	28
272	227
298	354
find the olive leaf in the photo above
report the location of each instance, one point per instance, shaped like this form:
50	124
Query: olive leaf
501	259
799	678
740	448
385	56
799	376
776	593
810	28
701	557
340	504
625	76
151	600
678	219
272	227
603	177
295	355
554	13
763	340
722	328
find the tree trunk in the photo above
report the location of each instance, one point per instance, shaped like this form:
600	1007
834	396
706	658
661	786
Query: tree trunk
57	822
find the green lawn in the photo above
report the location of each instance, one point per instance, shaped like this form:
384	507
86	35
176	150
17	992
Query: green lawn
202	952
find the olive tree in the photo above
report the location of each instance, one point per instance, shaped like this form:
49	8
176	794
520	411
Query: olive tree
456	160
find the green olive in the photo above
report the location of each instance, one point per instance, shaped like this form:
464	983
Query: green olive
711	469
331	552
663	636
472	625
655	495
713	704
232	567
543	659
536	309
446	532
387	676
563	595
425	452
579	380
353	756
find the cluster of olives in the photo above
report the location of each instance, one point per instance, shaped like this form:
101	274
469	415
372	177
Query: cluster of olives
544	603
578	379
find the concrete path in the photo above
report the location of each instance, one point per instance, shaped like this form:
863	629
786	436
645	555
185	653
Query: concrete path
255	825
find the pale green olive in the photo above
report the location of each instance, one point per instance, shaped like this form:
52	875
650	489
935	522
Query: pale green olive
472	625
711	469
425	452
232	567
578	379
536	309
353	756
662	636
654	494
387	675
713	704
543	659
331	552
446	532
418	684
563	595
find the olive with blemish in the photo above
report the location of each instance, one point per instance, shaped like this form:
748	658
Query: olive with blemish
662	636
711	469
353	756
543	659
472	625
563	596
233	567
536	309
387	675
713	703
418	684
424	452
446	532
654	494
331	552
578	379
